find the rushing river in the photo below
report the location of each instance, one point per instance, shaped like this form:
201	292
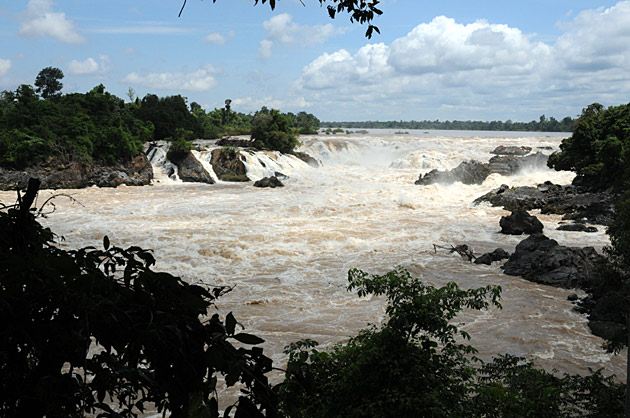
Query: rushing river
287	250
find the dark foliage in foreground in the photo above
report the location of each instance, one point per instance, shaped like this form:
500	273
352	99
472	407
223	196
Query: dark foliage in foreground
98	331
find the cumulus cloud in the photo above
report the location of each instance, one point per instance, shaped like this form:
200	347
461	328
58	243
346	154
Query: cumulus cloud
281	29
200	80
250	103
218	38
450	65
5	66
40	21
89	66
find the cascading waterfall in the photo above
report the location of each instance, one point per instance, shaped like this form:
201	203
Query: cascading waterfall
288	250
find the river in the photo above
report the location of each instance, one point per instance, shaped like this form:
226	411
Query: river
287	250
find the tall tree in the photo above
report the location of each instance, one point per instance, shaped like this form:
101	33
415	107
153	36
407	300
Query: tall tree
48	82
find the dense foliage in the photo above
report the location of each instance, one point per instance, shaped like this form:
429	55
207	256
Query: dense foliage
92	331
272	130
418	364
95	126
599	149
542	125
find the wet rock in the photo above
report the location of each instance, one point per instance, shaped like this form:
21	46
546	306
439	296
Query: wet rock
272	182
137	172
541	260
511	150
496	255
595	207
468	172
608	330
573	297
520	222
306	158
189	169
578	227
228	165
507	165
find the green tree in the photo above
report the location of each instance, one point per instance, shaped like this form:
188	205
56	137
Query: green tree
272	130
92	331
48	82
599	149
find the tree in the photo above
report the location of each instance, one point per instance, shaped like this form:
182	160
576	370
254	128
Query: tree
273	131
361	11
599	149
48	82
99	332
226	112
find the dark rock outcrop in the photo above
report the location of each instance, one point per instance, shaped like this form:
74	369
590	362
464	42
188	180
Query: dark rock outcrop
496	255
189	169
137	172
272	182
306	158
576	203
541	260
576	227
475	172
520	222
235	142
228	166
468	172
511	150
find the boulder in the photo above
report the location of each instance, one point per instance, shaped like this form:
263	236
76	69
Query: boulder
272	182
189	169
306	158
235	142
511	150
520	222
228	165
468	172
576	203
541	260
496	255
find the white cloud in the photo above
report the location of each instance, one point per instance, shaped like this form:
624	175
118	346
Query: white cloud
251	104
468	67
218	39
200	80
89	66
283	30
5	66
40	21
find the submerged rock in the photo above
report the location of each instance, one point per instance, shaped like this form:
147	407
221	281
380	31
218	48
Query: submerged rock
576	227
272	182
520	222
306	158
496	255
542	260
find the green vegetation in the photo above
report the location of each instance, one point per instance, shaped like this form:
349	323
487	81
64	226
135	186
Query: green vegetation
542	125
98	127
180	145
599	149
272	130
95	126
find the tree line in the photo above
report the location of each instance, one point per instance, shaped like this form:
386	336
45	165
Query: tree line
41	126
543	124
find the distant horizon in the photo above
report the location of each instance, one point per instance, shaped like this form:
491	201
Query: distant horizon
453	61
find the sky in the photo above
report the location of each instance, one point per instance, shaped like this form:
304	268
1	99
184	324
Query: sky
484	60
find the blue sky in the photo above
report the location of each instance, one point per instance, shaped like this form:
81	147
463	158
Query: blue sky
433	60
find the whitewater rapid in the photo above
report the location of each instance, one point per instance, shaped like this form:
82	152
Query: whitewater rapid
287	250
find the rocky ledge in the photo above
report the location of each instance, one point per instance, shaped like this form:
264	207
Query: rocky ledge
137	172
574	202
542	260
475	172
